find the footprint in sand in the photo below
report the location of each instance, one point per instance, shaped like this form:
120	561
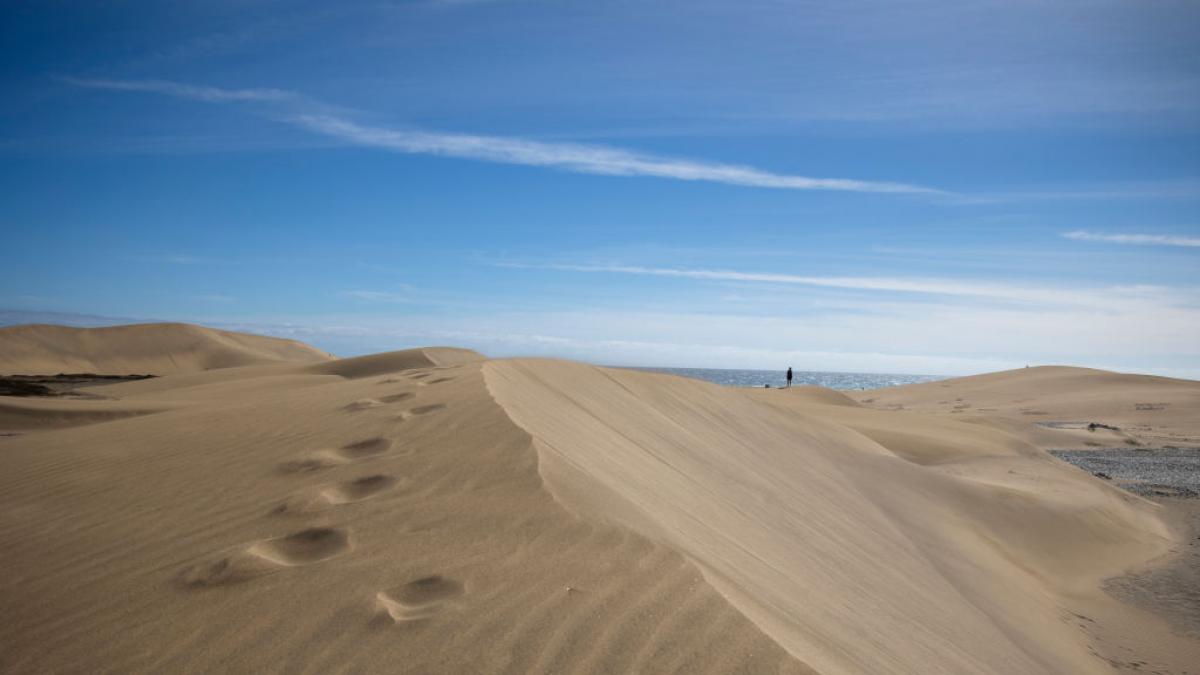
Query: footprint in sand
418	411
362	404
419	599
441	380
426	409
363	449
304	547
357	490
298	548
311	500
369	403
351	452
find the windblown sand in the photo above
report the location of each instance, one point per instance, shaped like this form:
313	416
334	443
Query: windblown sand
431	511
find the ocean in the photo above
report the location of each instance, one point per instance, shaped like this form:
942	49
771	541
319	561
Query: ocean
776	378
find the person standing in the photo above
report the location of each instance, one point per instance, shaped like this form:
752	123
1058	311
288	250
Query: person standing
789	377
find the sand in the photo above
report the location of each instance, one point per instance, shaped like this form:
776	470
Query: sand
153	348
1051	406
432	511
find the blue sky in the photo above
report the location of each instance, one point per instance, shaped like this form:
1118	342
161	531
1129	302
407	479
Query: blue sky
919	187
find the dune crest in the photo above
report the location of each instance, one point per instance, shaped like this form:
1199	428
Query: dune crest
391	362
824	395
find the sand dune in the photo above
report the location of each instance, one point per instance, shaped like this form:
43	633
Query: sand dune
390	362
1051	406
831	540
431	511
264	525
155	349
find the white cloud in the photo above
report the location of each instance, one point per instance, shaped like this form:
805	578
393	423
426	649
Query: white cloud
1175	189
1099	298
1136	239
594	159
579	158
192	91
332	122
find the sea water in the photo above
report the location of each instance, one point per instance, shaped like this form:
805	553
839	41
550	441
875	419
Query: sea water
777	378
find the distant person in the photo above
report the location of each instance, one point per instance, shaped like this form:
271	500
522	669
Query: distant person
789	377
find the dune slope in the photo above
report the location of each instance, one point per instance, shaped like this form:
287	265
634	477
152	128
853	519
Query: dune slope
855	556
34	414
156	349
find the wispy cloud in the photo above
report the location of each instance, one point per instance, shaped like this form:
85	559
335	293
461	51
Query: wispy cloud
579	158
191	91
1097	298
594	159
1136	239
337	123
1183	188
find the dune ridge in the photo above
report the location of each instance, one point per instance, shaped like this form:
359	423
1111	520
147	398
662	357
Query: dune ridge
153	348
389	362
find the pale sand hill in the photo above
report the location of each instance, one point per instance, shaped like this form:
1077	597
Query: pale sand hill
861	541
1050	406
301	521
153	348
428	511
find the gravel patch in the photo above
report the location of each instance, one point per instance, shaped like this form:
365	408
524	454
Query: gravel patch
1150	472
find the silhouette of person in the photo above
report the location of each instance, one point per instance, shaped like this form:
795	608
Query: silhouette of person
789	376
